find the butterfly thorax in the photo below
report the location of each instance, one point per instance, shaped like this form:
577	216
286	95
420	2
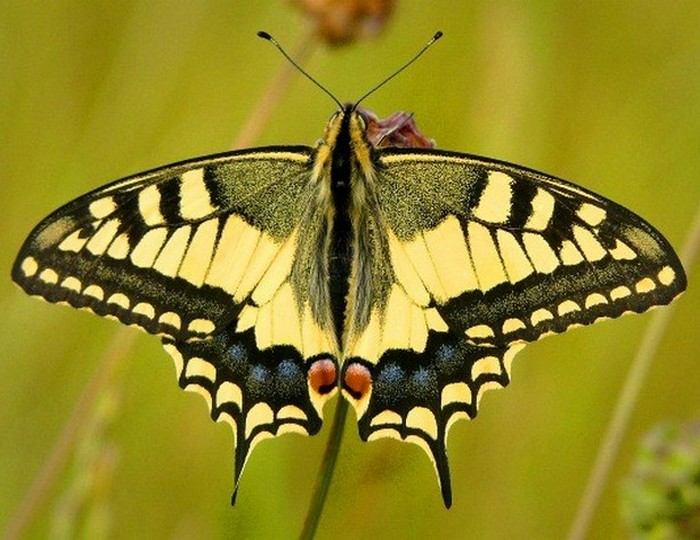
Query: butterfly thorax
347	240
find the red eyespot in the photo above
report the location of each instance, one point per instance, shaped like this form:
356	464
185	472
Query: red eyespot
357	380
323	375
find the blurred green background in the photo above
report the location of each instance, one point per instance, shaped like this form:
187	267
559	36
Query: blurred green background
606	94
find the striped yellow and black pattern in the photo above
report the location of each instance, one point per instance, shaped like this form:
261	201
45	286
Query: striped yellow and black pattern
405	276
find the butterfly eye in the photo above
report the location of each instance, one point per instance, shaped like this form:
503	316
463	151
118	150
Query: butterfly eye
362	119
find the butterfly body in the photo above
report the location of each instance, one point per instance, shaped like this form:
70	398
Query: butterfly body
407	277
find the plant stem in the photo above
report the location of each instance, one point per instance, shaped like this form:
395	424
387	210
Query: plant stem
629	396
107	373
323	481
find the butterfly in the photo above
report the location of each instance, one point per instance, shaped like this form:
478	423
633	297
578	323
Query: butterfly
373	264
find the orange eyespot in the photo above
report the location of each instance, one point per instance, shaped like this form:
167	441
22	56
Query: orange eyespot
323	375
357	380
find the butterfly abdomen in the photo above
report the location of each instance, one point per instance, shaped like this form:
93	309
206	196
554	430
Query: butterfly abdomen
340	250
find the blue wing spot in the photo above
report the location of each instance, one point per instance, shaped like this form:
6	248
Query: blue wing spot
287	369
423	382
445	353
423	377
289	379
238	353
391	374
258	378
389	381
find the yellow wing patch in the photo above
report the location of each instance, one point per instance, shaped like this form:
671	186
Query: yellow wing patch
437	261
281	321
402	325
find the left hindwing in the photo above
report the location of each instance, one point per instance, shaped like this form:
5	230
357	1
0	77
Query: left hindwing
485	256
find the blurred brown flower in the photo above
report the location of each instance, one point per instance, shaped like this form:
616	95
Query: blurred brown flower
339	22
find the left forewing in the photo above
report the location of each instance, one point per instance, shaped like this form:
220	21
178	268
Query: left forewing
176	250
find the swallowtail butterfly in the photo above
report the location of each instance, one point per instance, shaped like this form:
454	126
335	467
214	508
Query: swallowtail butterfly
404	276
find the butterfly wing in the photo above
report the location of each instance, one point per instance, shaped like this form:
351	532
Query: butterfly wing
202	253
484	257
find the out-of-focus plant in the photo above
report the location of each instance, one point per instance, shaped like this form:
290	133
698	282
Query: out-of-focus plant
661	495
339	22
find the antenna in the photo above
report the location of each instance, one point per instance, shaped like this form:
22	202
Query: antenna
272	40
437	36
301	70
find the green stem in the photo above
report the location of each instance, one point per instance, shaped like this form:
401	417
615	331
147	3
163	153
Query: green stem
107	374
323	482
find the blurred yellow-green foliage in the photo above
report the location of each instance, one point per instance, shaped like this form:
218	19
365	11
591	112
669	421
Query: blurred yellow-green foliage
606	94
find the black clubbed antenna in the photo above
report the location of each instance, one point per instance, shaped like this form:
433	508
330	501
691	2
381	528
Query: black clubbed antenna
437	36
272	40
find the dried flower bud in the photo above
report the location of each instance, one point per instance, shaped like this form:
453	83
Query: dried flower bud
339	22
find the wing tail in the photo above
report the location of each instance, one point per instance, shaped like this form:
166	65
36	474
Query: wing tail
417	397
259	393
